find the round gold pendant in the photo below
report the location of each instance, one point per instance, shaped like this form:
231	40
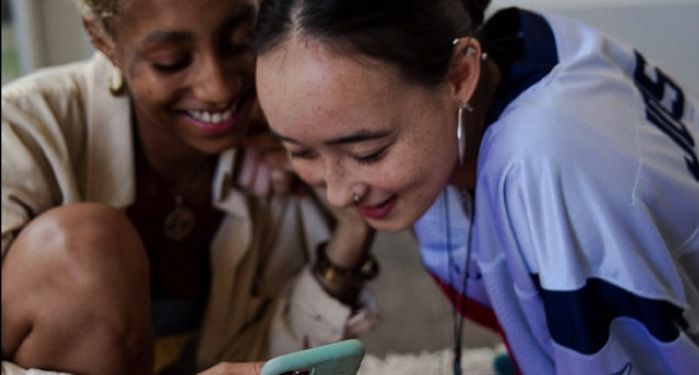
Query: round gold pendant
179	222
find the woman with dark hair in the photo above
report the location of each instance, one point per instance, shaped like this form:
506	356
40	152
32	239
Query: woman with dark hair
550	174
131	240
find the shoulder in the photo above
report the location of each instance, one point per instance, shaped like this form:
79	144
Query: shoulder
49	97
582	109
59	100
563	133
46	83
82	83
559	167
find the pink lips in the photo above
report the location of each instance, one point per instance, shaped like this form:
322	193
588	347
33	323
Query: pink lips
219	128
379	211
223	126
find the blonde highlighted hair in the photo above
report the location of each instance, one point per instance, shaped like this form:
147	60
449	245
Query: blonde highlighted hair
99	12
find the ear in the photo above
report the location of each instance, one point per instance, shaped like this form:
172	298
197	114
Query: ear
99	38
465	69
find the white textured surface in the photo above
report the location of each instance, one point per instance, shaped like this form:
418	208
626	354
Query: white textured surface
478	361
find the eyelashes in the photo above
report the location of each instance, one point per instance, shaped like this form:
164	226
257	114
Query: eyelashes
172	67
372	158
302	154
180	61
241	47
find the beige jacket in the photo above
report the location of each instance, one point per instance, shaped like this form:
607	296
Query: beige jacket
66	139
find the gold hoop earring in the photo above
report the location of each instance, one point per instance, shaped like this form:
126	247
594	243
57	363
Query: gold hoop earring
117	84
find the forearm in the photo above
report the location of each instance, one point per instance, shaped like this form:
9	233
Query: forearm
344	263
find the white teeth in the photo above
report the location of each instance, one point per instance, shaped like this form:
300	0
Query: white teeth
213	117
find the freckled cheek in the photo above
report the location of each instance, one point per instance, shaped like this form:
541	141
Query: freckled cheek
390	179
150	88
310	174
410	172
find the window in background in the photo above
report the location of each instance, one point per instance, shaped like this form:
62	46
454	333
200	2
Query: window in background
10	56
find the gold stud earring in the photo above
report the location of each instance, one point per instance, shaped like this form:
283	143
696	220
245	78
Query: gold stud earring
355	198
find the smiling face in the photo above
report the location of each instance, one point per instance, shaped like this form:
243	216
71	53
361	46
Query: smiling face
353	126
189	68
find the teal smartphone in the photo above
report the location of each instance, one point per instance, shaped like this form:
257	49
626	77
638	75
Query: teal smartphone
340	358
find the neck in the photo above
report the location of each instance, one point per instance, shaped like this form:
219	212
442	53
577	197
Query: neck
171	160
464	175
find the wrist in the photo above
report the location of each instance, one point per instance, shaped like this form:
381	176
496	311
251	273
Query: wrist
343	283
350	244
365	271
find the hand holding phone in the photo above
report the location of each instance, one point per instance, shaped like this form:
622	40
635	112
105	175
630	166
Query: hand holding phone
340	358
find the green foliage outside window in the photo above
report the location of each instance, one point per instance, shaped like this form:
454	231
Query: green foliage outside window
10	57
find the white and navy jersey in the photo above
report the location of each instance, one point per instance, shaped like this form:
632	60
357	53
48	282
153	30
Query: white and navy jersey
584	226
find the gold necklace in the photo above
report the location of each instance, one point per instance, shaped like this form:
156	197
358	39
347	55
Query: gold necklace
179	222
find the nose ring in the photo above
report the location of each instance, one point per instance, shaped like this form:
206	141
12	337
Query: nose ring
355	198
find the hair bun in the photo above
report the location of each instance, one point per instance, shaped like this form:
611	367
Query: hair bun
476	10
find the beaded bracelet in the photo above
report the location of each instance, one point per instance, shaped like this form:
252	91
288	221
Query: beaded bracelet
331	272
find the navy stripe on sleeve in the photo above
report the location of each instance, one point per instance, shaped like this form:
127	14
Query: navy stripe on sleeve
581	319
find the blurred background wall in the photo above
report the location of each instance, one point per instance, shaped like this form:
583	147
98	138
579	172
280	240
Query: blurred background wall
37	33
665	31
